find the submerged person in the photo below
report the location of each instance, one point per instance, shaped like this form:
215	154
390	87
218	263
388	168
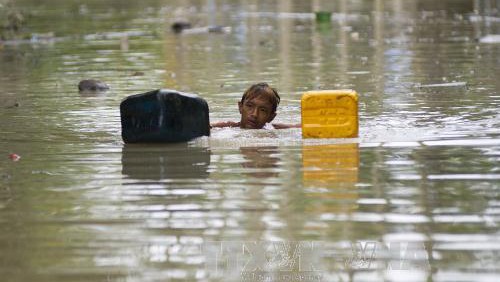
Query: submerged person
257	108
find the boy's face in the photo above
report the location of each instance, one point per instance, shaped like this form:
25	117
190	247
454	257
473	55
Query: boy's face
256	112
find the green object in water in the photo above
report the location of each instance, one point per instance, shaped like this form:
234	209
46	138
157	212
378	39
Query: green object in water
323	16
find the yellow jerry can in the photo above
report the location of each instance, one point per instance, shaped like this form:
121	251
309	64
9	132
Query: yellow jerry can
330	114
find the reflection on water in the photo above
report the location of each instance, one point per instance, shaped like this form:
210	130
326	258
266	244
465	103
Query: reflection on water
260	162
165	162
330	174
423	176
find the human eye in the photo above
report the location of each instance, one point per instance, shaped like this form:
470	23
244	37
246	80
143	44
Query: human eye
264	110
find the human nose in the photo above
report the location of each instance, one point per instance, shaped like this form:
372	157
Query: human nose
253	112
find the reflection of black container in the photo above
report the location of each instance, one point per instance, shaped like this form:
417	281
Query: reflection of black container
172	161
163	116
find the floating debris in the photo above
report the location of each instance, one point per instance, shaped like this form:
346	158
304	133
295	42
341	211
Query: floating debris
138	73
449	84
34	40
180	25
357	72
283	15
92	85
323	16
9	104
207	29
476	18
459	39
14	157
336	17
183	26
115	35
42	37
491	38
15	105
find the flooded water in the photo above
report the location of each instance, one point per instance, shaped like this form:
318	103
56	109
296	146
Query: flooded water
414	198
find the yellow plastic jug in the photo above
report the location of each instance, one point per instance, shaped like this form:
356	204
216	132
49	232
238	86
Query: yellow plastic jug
330	114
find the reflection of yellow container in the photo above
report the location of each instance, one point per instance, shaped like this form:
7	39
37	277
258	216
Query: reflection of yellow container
330	114
330	164
330	174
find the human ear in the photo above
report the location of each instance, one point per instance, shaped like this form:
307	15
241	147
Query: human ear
240	106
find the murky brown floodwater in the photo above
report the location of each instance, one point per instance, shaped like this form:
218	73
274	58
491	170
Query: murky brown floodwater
422	180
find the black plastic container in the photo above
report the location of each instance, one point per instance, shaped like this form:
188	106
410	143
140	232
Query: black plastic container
163	116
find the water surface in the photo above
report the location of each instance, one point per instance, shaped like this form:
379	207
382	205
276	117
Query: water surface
423	175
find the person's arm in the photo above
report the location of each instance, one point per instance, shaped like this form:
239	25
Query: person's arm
225	124
284	126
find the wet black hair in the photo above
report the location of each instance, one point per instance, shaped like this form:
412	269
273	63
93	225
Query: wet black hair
262	89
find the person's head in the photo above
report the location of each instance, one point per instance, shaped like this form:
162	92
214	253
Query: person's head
258	106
